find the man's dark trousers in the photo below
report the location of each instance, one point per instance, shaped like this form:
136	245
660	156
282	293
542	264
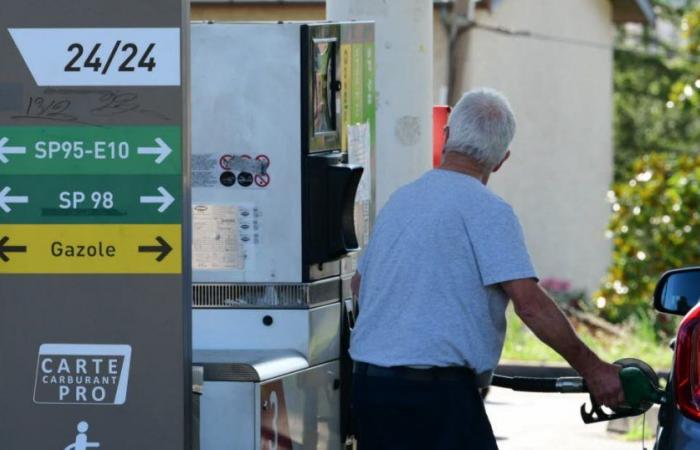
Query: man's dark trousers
422	409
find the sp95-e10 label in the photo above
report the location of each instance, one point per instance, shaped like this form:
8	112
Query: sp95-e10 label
71	150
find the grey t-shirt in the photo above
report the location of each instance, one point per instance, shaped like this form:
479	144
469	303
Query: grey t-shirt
429	293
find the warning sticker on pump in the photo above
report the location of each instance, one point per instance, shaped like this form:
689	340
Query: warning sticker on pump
230	171
216	238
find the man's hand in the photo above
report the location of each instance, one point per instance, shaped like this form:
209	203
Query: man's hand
603	381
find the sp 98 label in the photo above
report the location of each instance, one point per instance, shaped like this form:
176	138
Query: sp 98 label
76	199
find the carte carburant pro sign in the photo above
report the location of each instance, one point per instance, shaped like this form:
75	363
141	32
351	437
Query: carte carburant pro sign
82	374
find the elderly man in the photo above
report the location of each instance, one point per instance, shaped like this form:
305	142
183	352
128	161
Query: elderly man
445	257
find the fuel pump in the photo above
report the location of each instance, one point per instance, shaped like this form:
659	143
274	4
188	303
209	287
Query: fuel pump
282	144
639	382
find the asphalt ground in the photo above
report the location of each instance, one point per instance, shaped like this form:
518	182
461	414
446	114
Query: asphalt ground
535	421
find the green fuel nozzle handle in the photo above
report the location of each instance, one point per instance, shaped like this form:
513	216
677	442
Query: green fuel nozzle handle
640	385
639	390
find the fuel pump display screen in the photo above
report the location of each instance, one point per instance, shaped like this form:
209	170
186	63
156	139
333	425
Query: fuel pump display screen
324	51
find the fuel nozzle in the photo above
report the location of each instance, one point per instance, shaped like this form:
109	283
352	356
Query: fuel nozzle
639	383
641	387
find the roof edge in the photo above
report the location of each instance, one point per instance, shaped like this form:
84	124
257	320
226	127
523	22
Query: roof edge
282	2
637	11
648	10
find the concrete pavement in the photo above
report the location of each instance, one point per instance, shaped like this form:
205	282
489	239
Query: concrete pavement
533	421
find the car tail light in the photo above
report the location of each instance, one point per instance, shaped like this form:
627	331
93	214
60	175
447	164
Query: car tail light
686	371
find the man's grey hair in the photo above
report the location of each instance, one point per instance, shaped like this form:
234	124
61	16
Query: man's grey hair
482	126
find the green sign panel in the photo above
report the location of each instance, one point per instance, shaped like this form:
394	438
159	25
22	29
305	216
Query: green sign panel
98	199
97	150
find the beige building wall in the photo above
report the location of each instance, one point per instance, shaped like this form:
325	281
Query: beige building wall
561	92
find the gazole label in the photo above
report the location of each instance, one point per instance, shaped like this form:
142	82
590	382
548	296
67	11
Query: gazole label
86	249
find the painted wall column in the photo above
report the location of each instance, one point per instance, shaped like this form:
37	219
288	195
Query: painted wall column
404	80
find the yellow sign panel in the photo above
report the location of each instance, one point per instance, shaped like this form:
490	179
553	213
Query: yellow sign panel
72	249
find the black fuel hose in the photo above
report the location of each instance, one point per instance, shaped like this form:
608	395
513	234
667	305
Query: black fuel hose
526	384
531	384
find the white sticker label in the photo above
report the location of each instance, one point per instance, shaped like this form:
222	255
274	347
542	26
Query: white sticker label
359	149
216	238
82	374
101	56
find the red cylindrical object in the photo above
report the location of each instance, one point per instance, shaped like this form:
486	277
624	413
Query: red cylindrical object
440	115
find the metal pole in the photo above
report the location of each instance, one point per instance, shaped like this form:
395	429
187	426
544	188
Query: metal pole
457	23
404	80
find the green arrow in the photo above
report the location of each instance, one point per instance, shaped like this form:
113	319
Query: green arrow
164	199
163	150
6	150
5	199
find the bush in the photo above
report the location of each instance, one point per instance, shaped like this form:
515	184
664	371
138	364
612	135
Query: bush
655	226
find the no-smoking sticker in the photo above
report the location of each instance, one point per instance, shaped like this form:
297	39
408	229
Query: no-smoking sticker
225	161
264	160
262	180
245	170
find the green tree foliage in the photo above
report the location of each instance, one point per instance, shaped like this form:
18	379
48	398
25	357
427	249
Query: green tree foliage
655	226
657	90
646	118
655	223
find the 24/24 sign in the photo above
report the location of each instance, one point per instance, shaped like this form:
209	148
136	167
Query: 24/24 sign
126	53
101	56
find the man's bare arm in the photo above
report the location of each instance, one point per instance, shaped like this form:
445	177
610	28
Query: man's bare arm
541	314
